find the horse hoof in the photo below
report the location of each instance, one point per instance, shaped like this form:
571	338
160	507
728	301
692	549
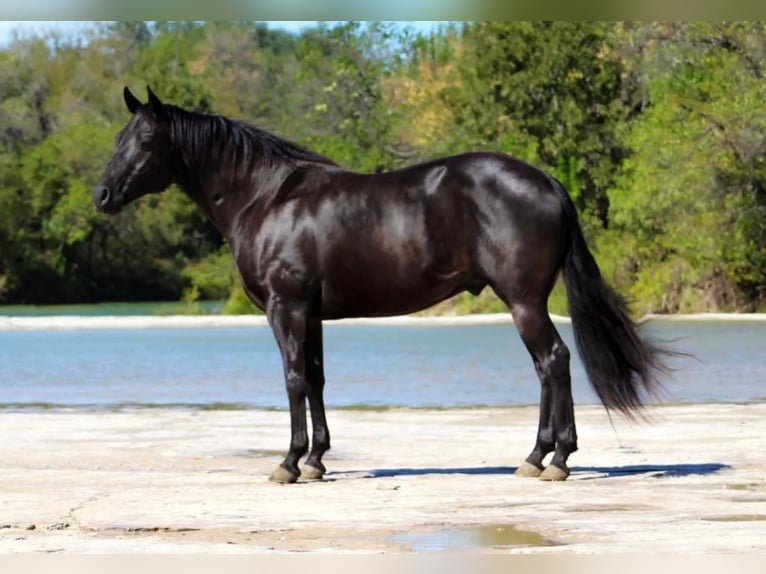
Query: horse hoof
283	476
554	473
312	473
528	470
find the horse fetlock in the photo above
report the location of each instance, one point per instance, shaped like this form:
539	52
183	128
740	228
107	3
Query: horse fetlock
566	441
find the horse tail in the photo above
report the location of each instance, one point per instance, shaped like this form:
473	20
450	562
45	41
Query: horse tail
621	365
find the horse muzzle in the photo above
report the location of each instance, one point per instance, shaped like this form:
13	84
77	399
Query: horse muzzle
106	200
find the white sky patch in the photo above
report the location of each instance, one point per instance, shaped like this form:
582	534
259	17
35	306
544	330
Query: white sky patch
30	27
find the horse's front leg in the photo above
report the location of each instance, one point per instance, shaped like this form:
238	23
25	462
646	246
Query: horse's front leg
320	442
288	321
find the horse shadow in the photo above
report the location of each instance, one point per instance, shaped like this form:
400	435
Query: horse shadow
577	472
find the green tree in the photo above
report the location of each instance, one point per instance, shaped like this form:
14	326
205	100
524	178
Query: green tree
689	210
656	129
549	92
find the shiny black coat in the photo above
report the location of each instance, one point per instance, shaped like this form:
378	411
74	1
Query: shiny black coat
314	241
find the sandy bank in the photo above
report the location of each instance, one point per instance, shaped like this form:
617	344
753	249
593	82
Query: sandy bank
181	480
204	321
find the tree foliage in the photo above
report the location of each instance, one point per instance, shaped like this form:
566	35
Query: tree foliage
690	208
658	130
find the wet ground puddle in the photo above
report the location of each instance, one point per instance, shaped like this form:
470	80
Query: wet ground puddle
479	537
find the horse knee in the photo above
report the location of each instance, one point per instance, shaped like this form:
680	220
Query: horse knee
295	385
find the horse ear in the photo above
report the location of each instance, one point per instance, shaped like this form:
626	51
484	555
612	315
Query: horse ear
157	107
131	101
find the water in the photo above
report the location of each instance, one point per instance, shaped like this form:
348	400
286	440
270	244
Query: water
481	536
366	366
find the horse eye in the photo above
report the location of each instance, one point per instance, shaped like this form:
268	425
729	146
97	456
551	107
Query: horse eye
145	146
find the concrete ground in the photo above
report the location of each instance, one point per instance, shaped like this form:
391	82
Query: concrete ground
183	481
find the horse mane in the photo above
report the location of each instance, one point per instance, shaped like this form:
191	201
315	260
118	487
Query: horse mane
208	135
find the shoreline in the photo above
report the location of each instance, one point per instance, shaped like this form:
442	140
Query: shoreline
224	407
70	322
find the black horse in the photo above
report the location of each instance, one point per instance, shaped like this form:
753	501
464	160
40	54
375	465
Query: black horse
314	241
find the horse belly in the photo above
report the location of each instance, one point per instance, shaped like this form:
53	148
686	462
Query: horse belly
402	262
380	292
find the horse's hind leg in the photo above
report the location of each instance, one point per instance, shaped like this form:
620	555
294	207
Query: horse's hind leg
556	430
533	465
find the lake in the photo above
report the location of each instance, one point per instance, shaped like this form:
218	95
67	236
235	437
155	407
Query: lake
366	366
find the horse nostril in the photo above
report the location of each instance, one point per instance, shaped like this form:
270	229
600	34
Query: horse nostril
103	195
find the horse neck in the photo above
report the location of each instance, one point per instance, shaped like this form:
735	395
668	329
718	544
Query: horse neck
219	180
